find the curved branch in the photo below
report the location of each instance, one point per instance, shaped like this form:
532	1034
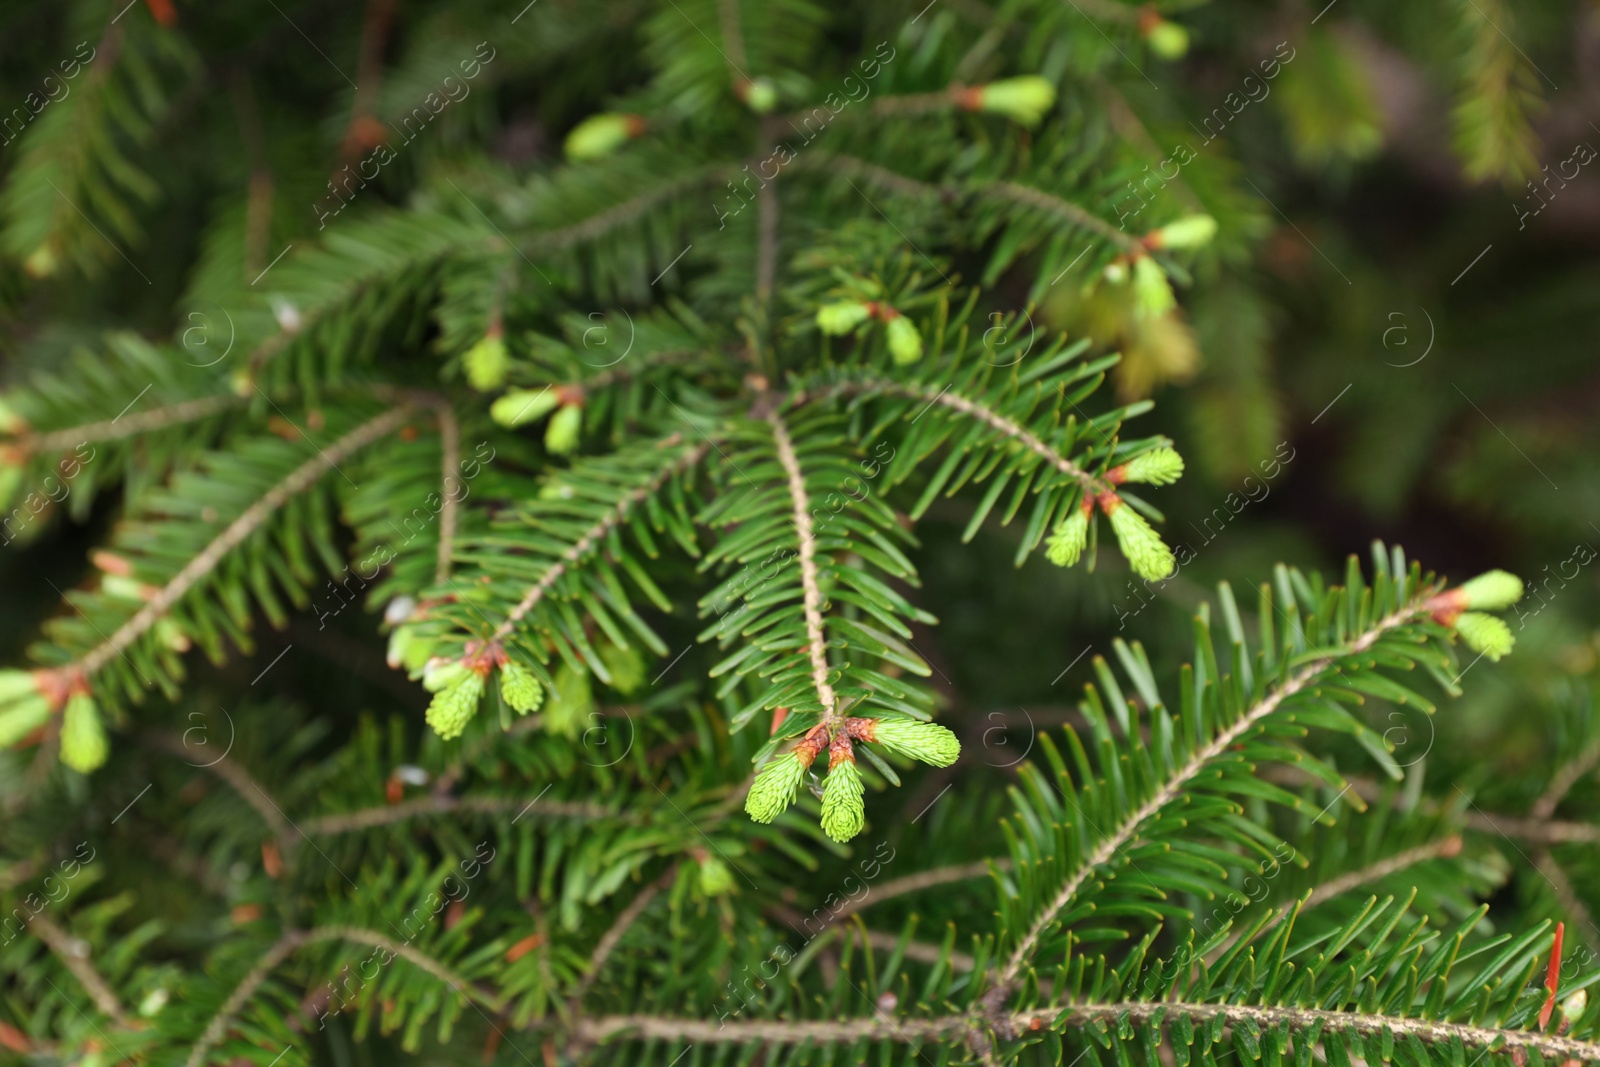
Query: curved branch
915	883
972	409
450	461
297	481
1129	827
243	783
816	639
1564	779
295	939
628	210
1065	209
614	933
126	425
596	533
849	167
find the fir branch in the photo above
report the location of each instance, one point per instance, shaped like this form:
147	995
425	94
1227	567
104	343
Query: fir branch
613	936
1535	831
1065	209
1443	848
450	464
988	416
685	461
294	940
1567	898
1564	779
298	481
125	426
915	883
1128	829
388	814
816	640
851	167
630	210
241	780
73	952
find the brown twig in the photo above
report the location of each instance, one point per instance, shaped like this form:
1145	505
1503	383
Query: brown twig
73	952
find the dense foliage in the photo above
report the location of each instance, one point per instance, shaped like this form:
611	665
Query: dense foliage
677	393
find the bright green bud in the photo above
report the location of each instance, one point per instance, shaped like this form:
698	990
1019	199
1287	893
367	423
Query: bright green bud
1147	554
443	675
905	343
10	421
1161	466
409	649
600	135
760	95
121	587
83	739
1167	39
561	436
1152	293
169	634
842	316
520	688
774	787
1492	591
843	811
715	877
625	666
487	362
17	685
1116	272
1066	544
21	716
10	484
1485	634
1023	100
1191	231
42	262
570	703
523	406
926	741
153	1002
453	707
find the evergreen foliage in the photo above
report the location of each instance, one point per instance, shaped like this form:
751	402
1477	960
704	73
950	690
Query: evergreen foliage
627	399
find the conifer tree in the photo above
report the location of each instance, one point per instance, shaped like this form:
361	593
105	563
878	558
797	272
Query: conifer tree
608	362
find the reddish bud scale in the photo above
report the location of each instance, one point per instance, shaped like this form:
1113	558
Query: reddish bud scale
839	750
1447	606
813	742
862	729
1149	19
481	657
636	125
1118	474
1109	502
969	97
877	309
569	395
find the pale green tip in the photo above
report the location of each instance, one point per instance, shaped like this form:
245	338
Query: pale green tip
1147	554
454	706
1066	544
1168	40
905	343
17	685
715	877
841	316
522	406
1161	466
1152	293
774	787
600	135
1191	231
926	741
1492	591
519	688
487	363
570	704
21	715
409	649
760	95
83	738
843	812
1023	100
1485	634
437	677
561	436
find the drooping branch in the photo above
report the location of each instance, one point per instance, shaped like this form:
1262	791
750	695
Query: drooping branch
1037	198
596	533
625	212
1128	829
1441	849
810	582
915	883
296	482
